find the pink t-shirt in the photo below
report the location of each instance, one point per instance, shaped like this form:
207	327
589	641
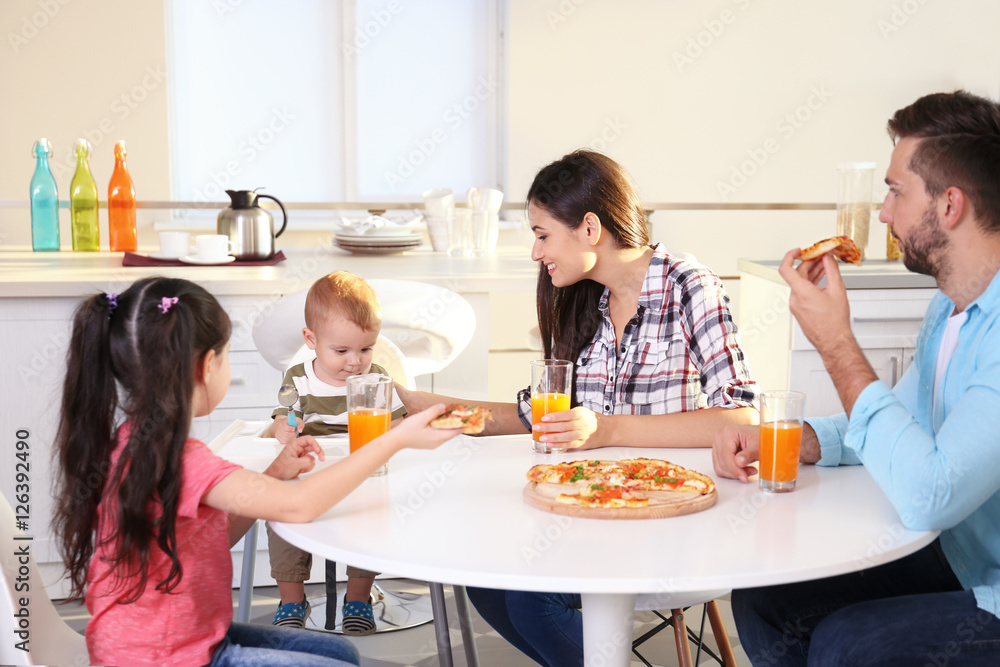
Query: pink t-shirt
184	626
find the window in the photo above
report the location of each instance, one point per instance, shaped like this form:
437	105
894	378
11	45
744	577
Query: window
370	100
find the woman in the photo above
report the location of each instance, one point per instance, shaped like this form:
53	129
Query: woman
657	361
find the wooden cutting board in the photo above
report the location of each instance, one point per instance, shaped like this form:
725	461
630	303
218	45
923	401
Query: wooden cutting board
657	508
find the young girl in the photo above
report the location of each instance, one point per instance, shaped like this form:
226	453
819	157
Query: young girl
146	516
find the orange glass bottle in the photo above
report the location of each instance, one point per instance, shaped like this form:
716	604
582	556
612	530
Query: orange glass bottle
121	204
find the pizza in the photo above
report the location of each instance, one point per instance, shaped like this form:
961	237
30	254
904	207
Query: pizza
470	420
843	248
624	484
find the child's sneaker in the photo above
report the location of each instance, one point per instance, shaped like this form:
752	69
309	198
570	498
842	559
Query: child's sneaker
292	614
359	619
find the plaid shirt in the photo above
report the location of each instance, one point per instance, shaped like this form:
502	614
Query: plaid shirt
679	352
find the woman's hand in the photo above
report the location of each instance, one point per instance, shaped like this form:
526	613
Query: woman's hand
735	448
574	429
283	432
296	458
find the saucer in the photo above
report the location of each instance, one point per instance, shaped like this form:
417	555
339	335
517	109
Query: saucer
194	259
160	255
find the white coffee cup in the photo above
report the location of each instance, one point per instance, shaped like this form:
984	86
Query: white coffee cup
174	244
437	230
213	247
439	202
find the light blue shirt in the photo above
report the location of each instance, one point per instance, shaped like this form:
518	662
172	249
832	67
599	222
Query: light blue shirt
939	463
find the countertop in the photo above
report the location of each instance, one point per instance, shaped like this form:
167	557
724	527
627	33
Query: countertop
76	274
874	274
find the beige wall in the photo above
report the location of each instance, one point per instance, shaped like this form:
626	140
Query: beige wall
72	68
686	95
735	100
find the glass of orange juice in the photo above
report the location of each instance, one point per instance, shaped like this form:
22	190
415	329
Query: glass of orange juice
551	384
369	410
781	415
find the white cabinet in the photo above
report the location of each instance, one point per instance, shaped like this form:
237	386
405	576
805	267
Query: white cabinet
884	321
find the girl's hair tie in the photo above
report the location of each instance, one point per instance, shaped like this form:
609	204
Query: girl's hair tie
112	302
165	304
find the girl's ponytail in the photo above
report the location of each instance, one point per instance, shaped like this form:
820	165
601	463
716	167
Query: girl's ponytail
85	436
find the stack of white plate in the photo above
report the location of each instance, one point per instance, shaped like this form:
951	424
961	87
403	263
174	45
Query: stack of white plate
377	242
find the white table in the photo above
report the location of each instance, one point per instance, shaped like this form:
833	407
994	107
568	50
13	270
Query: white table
456	515
239	443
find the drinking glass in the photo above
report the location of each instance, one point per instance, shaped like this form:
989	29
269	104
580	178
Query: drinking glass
780	439
551	383
459	226
854	201
369	410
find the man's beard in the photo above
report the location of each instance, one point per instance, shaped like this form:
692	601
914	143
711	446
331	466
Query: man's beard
922	248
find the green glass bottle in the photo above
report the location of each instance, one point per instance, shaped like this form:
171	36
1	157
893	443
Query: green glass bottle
83	202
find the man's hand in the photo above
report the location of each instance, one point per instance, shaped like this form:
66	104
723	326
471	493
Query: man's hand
296	458
823	312
825	317
734	449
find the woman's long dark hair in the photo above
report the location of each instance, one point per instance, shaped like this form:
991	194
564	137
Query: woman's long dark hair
137	353
579	183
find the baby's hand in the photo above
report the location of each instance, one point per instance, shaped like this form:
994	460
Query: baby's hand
421	436
285	433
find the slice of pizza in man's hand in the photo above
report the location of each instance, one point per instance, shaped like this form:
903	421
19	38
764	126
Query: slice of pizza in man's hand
842	247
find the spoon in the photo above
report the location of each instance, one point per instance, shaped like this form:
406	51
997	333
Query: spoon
287	395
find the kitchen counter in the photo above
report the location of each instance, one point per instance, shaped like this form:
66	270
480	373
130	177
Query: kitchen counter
76	274
875	274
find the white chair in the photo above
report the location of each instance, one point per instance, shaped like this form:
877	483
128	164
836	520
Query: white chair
427	325
49	640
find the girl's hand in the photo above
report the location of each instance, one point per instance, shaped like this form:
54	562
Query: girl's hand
285	433
296	458
735	448
573	429
419	435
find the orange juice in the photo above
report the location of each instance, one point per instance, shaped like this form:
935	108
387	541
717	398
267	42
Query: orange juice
543	404
363	426
779	450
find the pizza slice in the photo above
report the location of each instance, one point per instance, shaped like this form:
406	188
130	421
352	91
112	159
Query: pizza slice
659	475
471	420
842	247
599	495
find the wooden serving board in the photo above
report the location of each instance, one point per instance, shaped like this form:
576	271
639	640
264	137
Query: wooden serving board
655	509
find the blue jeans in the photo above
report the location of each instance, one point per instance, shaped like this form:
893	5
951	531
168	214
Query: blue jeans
910	612
546	627
248	645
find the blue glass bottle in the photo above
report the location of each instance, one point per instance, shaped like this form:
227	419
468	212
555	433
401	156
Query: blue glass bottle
44	201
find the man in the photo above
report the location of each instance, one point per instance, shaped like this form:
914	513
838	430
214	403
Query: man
932	443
